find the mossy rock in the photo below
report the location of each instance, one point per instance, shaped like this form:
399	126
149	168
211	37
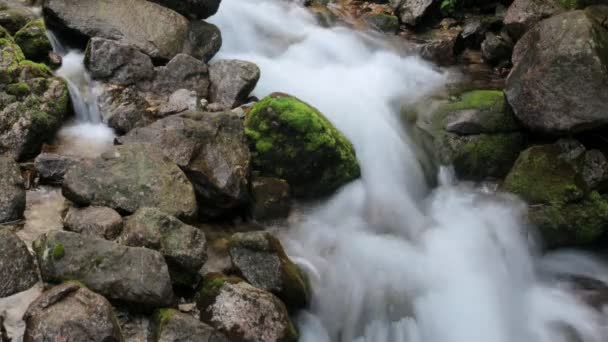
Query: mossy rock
33	41
13	19
294	141
18	89
541	176
476	157
572	224
10	57
5	34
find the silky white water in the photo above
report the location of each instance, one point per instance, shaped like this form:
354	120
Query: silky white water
389	259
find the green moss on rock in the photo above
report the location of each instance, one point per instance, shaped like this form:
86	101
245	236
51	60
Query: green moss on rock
58	251
294	141
540	176
33	41
10	57
18	89
4	34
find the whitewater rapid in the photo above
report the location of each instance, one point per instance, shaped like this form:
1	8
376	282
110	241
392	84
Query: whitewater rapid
390	259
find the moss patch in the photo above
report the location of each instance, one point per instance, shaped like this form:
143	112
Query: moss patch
33	41
18	89
58	251
294	141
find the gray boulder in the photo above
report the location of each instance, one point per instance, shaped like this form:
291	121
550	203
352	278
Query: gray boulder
156	30
243	312
12	191
182	72
260	259
559	85
131	177
138	276
70	312
524	14
100	222
271	199
117	62
204	40
196	9
170	325
17	268
180	101
183	246
52	167
232	81
124	108
411	11
497	48
210	148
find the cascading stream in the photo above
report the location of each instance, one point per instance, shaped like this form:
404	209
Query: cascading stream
390	260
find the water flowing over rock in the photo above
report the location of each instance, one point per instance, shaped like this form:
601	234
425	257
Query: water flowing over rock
173	326
243	312
232	81
183	246
210	148
71	312
260	259
100	222
559	82
12	191
131	177
138	276
294	141
17	267
156	30
198	9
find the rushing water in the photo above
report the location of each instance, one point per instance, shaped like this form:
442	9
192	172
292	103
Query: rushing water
389	259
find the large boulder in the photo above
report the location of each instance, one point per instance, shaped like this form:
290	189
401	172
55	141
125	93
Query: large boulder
33	40
12	191
196	9
138	276
294	141
52	167
232	81
183	246
130	177
524	14
212	150
555	180
243	312
170	325
17	267
71	312
156	30
204	40
559	84
182	72
261	260
100	222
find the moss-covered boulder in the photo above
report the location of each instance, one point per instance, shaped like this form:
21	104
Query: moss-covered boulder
555	180
474	131
170	325
10	57
260	259
294	141
15	16
33	41
243	312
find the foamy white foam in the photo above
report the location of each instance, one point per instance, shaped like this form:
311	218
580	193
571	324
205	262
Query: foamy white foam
389	262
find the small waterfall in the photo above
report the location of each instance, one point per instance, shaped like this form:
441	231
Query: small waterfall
86	135
389	259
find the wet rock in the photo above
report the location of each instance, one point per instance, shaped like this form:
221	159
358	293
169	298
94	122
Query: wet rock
243	312
70	312
564	208
52	167
17	268
271	199
524	14
204	40
117	63
496	48
294	141
12	191
138	276
559	85
197	9
183	246
595	169
14	17
232	81
261	260
124	108
382	22
441	45
157	31
100	222
170	325
411	11
33	41
131	177
210	148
